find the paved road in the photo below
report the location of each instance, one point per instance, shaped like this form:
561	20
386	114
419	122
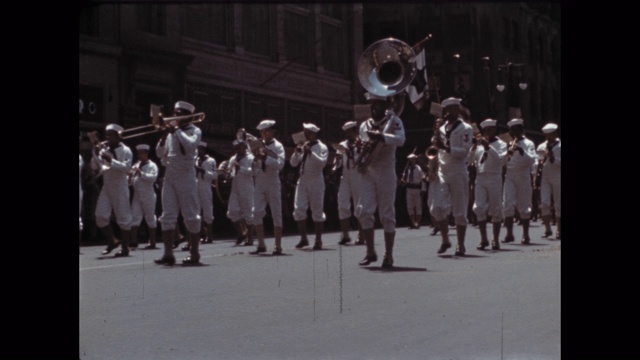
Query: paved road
322	305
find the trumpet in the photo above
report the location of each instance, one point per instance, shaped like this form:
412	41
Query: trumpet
432	151
512	148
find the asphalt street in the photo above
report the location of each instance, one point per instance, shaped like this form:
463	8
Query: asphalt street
322	305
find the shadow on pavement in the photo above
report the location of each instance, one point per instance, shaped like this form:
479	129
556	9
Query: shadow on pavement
529	244
311	250
460	257
271	255
394	269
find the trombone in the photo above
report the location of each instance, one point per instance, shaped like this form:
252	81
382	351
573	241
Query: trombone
158	126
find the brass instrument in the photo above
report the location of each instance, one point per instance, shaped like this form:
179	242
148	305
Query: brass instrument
432	151
160	123
512	148
385	68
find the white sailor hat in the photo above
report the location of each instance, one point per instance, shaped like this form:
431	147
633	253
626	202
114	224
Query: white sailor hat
348	125
238	142
488	122
183	105
451	101
515	122
265	124
549	128
412	156
142	147
369	96
203	144
114	127
311	127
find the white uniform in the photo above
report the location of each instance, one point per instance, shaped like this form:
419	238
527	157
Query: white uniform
144	195
268	189
241	204
349	182
379	181
115	190
205	193
453	174
179	190
517	191
414	176
80	184
488	189
550	184
310	188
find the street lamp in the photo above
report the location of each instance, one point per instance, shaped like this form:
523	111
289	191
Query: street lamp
510	76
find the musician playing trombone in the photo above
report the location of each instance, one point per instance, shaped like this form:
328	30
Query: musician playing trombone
453	141
550	183
489	153
113	161
178	147
379	180
517	189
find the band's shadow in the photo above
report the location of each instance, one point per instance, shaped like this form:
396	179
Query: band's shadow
106	257
489	251
394	269
312	250
529	244
460	257
270	255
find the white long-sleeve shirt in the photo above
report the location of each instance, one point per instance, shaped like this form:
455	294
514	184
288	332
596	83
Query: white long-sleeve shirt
549	168
495	159
143	182
394	136
314	161
460	143
172	151
245	169
120	166
272	165
526	160
210	172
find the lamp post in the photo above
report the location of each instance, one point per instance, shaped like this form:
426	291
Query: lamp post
460	89
514	78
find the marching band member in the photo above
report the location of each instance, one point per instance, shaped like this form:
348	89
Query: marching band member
312	157
550	184
114	163
143	176
241	206
179	190
453	143
206	173
378	179
517	182
268	163
412	179
490	156
350	180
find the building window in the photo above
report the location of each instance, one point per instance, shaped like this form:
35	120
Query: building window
333	53
256	28
298	38
207	22
506	28
89	21
516	36
151	19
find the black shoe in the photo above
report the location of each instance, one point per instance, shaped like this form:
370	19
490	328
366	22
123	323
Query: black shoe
483	245
277	251
434	232
369	259
344	241
186	247
122	253
259	250
558	235
317	245
109	248
248	243
240	239
460	250
547	234
444	248
166	260
190	260
387	262
359	242
525	241
302	243
495	245
411	227
150	247
508	239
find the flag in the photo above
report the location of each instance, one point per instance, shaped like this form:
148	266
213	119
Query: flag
418	90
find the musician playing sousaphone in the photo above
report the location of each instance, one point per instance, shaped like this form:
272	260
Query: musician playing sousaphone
379	179
489	153
113	160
